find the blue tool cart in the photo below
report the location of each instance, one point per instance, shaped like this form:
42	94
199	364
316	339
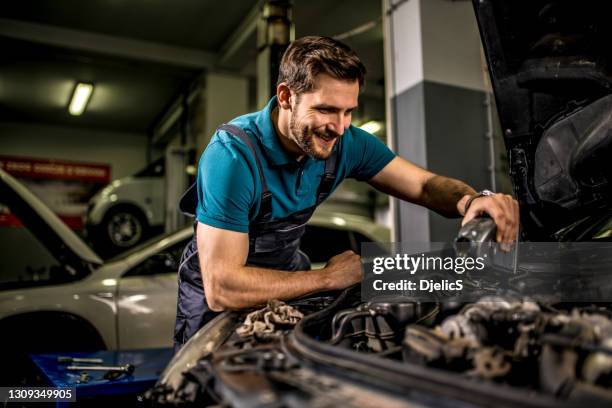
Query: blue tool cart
148	365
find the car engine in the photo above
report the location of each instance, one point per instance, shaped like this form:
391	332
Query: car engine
562	350
517	347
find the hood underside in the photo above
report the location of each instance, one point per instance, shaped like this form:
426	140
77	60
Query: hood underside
52	232
551	68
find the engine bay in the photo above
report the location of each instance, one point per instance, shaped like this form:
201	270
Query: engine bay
522	352
562	350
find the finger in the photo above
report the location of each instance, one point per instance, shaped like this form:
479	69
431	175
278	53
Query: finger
509	206
517	212
473	212
507	226
509	212
505	204
506	234
492	208
514	230
499	217
469	216
512	210
513	215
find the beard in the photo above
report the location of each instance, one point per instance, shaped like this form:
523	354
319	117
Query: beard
304	137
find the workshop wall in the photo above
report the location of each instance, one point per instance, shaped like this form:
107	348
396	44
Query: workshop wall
226	96
124	152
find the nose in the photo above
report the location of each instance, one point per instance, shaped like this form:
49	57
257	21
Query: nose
337	125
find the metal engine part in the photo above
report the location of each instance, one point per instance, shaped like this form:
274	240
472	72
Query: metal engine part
520	342
376	326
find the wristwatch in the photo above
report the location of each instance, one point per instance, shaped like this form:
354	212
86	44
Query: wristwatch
483	193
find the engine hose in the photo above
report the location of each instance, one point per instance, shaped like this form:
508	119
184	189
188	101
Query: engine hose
338	317
344	324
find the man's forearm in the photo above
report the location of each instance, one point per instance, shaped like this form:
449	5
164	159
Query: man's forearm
446	196
230	284
246	286
409	182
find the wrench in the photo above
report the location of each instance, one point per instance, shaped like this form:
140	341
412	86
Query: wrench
127	368
68	360
112	372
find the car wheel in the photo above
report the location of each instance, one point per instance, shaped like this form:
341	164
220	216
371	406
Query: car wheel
120	229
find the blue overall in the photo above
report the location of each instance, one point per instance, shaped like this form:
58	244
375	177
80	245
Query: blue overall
273	244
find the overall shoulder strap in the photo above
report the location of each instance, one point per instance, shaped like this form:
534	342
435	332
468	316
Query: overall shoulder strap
265	207
189	200
328	179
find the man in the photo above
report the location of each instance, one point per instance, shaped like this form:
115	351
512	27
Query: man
261	177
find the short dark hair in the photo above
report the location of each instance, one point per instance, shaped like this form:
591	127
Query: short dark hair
309	56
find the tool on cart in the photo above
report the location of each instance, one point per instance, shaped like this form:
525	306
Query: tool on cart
84	378
91	384
69	360
112	372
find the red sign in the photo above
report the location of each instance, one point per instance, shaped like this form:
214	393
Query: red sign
65	186
24	167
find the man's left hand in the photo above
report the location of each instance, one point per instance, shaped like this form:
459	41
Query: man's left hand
502	208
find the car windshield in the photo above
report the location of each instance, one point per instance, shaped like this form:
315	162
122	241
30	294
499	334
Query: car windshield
156	168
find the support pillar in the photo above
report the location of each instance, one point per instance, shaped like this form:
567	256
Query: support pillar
275	32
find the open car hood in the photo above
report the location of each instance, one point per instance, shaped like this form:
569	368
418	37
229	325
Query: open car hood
551	68
49	229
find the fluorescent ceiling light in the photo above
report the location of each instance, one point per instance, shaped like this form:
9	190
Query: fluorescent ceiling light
371	126
80	97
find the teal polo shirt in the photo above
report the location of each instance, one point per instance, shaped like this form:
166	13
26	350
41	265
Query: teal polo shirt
228	183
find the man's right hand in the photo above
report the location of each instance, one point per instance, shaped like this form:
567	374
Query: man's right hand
343	270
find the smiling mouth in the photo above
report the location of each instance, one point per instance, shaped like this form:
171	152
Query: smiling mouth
327	142
326	138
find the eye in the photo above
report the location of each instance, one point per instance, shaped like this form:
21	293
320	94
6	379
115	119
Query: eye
324	110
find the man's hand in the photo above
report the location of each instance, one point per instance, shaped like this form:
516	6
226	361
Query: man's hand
343	270
502	208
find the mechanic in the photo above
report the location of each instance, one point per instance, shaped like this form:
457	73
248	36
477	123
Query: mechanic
263	174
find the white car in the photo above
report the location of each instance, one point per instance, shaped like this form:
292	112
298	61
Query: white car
56	294
128	210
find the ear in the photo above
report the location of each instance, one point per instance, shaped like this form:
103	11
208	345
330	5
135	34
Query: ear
283	96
